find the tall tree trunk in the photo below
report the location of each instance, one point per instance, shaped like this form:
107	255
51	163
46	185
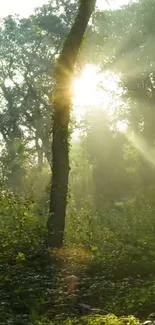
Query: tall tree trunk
62	103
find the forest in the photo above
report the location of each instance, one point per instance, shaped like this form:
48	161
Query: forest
77	165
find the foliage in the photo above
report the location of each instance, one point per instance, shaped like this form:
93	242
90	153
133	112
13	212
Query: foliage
21	232
108	260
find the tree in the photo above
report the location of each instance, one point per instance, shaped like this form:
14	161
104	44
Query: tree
62	104
27	51
127	37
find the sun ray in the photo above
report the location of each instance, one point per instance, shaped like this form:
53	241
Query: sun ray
139	143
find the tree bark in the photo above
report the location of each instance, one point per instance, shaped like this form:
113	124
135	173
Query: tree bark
62	103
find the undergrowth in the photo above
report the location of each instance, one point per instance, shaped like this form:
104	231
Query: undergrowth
40	286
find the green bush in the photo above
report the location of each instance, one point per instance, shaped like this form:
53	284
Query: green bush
21	232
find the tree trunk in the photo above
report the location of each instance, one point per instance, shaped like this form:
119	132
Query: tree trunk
62	103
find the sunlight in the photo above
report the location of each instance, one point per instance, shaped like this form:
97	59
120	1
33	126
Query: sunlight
94	89
85	91
143	147
122	126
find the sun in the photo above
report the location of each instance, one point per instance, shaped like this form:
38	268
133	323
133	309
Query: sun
86	94
85	90
94	89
